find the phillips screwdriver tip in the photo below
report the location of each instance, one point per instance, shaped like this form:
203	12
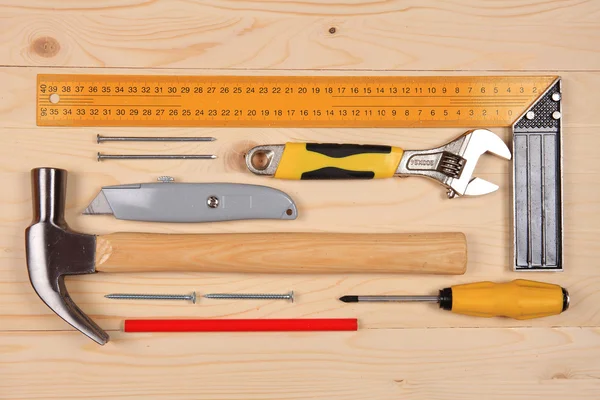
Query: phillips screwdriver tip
349	299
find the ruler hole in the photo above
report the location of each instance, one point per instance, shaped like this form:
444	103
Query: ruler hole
54	98
289	211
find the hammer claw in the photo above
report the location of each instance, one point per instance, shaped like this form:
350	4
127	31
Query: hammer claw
53	251
61	303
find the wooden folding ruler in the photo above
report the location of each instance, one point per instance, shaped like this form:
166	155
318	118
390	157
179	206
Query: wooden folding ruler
530	104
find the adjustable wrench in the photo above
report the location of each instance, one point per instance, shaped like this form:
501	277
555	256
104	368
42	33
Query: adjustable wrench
452	164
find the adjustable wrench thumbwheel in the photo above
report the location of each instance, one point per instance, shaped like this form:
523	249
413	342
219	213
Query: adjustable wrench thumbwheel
452	164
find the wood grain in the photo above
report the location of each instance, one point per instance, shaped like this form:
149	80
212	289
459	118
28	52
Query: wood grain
289	35
408	351
414	364
389	206
284	253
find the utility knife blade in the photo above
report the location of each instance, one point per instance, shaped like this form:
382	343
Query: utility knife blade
192	202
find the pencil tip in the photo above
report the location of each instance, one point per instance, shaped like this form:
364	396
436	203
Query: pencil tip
349	299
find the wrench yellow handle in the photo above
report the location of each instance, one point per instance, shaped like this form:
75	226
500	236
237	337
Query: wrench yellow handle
337	161
519	299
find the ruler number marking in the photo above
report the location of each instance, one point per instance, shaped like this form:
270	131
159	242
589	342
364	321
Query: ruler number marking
284	99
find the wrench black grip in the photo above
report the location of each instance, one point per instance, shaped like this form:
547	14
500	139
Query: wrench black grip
337	161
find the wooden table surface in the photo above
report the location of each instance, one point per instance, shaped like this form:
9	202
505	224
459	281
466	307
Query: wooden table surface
401	351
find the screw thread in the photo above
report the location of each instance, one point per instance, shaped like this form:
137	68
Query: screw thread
146	296
256	296
131	296
244	296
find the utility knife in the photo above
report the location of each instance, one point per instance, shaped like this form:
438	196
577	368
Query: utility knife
170	201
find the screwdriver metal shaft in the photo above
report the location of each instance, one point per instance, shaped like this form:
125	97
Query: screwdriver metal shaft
389	299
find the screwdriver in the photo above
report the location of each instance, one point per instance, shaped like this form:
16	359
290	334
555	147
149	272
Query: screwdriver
519	299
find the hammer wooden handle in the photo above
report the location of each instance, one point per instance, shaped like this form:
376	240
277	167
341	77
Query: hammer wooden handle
311	253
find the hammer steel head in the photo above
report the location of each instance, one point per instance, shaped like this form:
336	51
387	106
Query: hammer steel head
53	251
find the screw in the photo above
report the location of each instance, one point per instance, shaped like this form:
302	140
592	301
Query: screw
332	30
257	296
556	96
130	296
530	115
156	157
212	201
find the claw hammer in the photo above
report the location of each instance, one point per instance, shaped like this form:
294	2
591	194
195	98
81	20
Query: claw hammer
53	251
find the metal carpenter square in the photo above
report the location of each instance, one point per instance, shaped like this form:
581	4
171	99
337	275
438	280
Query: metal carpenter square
537	185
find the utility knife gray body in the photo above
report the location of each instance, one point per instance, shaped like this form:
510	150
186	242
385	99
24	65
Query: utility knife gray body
192	202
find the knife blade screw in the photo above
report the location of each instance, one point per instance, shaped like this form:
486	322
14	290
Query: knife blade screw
212	201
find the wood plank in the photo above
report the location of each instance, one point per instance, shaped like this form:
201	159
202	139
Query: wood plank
371	363
315	298
500	390
408	205
397	35
411	351
488	252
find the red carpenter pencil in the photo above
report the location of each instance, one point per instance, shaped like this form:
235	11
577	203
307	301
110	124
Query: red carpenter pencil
240	325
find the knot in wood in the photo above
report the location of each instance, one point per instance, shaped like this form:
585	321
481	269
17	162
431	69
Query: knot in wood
45	46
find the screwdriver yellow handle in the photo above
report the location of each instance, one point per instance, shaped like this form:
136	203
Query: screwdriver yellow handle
519	299
337	161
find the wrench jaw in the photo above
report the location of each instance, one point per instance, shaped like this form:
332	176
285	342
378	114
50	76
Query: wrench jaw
453	164
479	187
475	187
474	144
